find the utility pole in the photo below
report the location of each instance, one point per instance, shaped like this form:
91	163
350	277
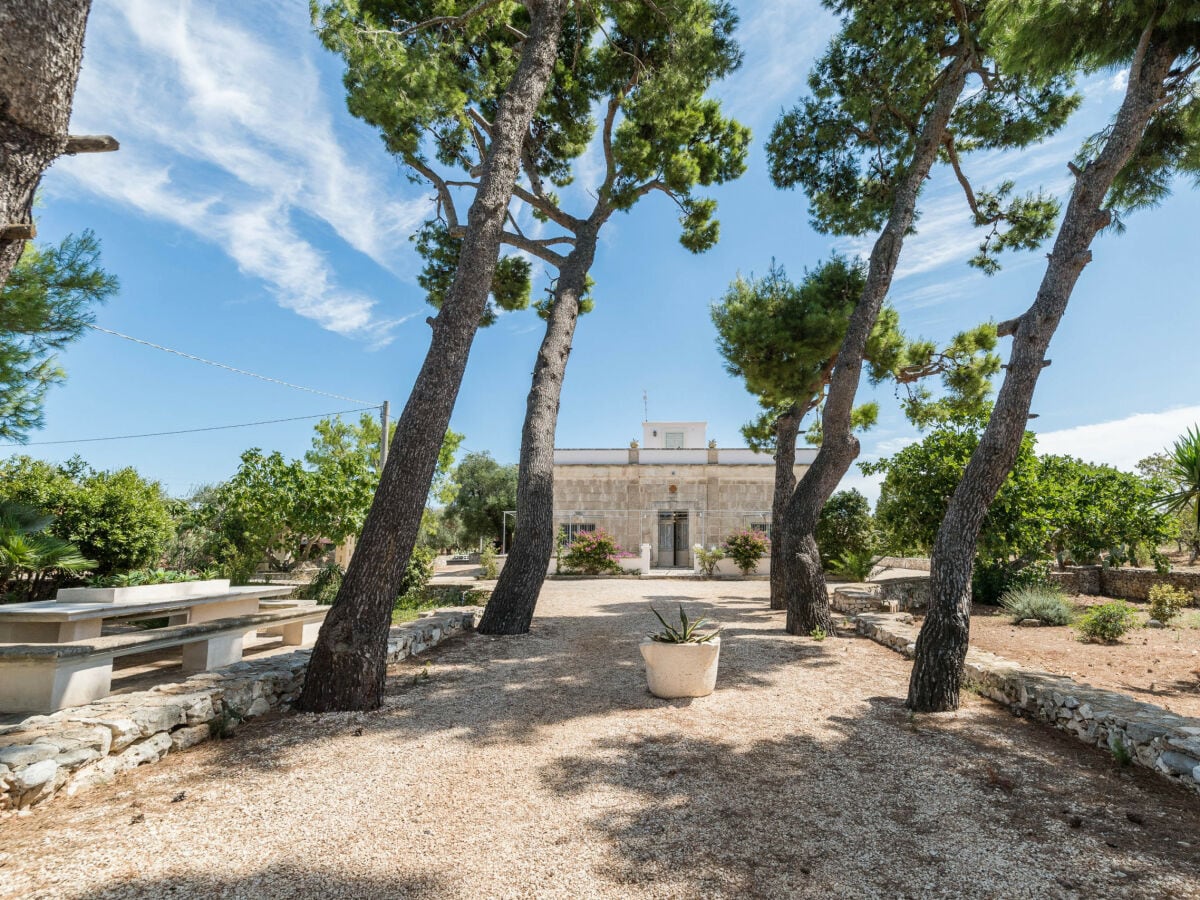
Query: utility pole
383	433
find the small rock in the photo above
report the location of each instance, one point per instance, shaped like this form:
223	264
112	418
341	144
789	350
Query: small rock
183	738
180	797
1030	623
1075	821
1135	818
1154	623
1177	763
137	817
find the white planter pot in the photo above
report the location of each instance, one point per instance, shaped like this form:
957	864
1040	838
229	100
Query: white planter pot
681	670
146	593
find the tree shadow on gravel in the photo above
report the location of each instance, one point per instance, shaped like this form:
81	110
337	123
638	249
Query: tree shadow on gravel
889	805
507	689
276	882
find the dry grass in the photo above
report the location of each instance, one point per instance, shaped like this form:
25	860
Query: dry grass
540	766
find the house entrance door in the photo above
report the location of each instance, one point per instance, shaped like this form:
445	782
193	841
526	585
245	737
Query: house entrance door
673	548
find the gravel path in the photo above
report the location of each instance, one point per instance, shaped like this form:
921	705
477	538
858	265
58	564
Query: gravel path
540	767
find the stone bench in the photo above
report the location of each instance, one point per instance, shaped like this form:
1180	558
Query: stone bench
43	678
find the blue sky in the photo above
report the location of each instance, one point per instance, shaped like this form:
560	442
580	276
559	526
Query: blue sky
253	221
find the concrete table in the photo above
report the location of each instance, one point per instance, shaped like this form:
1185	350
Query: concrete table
53	621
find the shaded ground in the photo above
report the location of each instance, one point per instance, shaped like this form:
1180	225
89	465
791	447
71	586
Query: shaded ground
1157	665
540	766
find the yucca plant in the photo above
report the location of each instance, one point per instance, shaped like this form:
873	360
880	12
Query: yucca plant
1184	472
688	631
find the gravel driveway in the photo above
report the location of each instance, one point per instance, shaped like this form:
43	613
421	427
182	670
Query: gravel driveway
539	766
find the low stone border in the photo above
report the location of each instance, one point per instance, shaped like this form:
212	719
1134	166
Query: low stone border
75	749
1154	738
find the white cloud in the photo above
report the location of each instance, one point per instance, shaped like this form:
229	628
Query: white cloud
232	137
1121	442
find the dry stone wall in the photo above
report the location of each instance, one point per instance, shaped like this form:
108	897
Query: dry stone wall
1153	737
75	749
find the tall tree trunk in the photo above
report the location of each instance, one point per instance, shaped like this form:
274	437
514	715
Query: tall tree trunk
942	643
510	608
806	596
787	427
41	48
348	668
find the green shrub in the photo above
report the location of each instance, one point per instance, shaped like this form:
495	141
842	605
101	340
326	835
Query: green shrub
487	562
325	585
1047	605
1166	602
991	579
746	548
416	576
1107	622
855	565
152	576
845	527
708	559
593	553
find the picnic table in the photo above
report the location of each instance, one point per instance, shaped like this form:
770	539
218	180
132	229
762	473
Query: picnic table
59	621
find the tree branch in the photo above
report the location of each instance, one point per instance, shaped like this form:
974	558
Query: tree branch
91	143
454	21
538	248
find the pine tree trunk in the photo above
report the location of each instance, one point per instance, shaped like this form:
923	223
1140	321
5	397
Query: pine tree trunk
510	608
41	48
347	669
787	427
806	597
942	644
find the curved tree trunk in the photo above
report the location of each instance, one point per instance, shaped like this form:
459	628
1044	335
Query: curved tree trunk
348	668
787	427
806	597
511	606
41	48
942	644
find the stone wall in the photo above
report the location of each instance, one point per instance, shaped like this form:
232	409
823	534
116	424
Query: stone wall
907	593
75	749
1154	738
918	563
1084	580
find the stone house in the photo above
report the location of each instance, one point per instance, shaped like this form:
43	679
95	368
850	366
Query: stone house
672	490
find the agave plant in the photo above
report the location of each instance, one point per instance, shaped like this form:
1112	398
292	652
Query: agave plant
688	632
29	557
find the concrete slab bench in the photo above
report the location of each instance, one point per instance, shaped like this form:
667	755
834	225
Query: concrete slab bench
46	677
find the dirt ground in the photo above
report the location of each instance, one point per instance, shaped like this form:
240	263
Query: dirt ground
540	766
1157	665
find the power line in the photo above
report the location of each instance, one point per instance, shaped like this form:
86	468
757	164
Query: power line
125	437
209	362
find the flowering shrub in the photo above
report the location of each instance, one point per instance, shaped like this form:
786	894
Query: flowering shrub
593	553
746	548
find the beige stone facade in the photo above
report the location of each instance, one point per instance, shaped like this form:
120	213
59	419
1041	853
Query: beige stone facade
669	497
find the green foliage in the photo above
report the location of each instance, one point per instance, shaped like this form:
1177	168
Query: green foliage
1039	38
708	560
1121	755
511	282
142	577
845	527
1107	622
1168	601
286	512
818	634
855	565
746	548
46	303
920	479
31	559
118	519
1047	605
483	490
416	577
1179	484
1048	506
593	553
489	568
850	143
687	632
325	585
